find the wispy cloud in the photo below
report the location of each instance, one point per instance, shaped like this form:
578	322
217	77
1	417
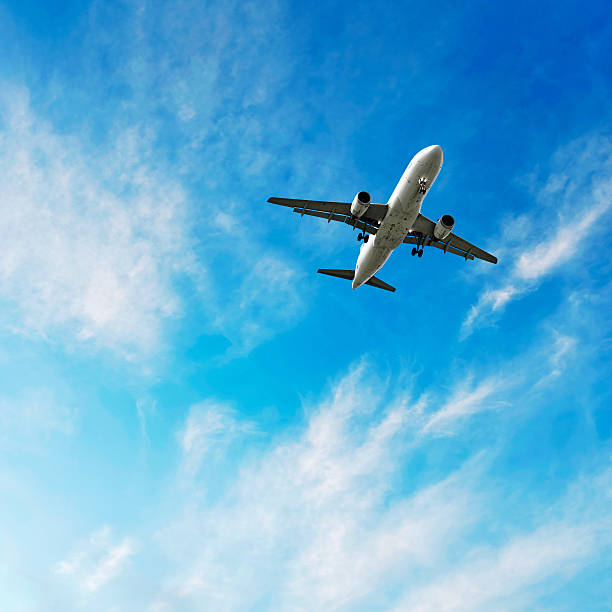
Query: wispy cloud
573	531
33	414
572	204
96	561
501	577
107	228
464	402
314	508
82	258
318	520
210	427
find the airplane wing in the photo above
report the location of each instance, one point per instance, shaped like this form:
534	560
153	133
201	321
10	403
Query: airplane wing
336	211
453	244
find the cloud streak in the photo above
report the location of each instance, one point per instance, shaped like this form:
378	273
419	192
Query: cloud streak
576	199
96	561
80	258
320	520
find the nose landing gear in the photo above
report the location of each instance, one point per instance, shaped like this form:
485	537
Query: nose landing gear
423	185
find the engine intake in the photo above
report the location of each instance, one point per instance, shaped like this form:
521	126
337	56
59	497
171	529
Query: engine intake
360	204
444	227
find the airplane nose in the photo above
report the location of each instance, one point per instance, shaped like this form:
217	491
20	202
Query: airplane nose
434	154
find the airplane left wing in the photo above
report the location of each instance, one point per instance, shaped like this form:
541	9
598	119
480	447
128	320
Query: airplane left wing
452	244
336	211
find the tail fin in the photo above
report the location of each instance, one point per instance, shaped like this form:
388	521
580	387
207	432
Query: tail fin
350	275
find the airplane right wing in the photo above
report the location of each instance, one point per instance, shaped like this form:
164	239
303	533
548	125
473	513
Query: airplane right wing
424	230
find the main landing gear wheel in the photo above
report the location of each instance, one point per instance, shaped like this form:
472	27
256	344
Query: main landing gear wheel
421	253
364	237
414	251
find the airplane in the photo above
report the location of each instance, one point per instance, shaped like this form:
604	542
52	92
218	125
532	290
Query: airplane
391	224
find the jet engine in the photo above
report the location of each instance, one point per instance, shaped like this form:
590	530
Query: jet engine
360	204
444	227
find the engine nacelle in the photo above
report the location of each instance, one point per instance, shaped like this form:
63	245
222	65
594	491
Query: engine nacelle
444	227
360	204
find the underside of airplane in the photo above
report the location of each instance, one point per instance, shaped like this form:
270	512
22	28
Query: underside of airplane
397	222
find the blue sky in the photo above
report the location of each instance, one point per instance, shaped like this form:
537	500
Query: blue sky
192	419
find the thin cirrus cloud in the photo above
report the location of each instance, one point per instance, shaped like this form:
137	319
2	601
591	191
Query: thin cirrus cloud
311	508
531	371
210	428
503	576
318	521
33	415
357	507
99	242
96	561
571	202
80	258
118	228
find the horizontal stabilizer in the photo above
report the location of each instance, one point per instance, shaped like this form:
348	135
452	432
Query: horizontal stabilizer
350	275
376	282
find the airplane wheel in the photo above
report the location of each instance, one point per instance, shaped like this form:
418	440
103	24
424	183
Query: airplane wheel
414	251
421	253
366	238
359	237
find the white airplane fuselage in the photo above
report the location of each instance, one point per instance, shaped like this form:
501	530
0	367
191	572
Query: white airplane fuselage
404	206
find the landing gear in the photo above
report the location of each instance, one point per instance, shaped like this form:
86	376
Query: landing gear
418	249
364	237
423	185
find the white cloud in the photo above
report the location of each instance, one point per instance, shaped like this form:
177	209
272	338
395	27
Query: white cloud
98	244
563	348
96	561
33	413
79	256
312	514
566	537
210	426
323	521
464	402
358	507
500	578
572	208
560	247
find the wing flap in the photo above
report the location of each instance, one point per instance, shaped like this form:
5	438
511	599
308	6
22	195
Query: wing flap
464	245
439	245
330	216
321	205
376	212
365	223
